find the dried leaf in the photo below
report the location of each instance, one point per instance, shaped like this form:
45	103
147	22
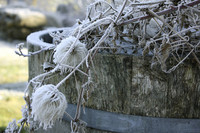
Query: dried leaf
165	51
146	48
164	54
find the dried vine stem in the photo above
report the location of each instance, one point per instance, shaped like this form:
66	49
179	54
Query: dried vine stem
174	67
190	45
167	11
89	52
39	76
20	53
177	33
20	129
77	115
147	3
120	13
98	43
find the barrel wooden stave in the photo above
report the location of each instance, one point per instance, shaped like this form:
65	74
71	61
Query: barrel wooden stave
127	84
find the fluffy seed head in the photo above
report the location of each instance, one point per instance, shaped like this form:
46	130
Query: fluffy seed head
48	105
65	58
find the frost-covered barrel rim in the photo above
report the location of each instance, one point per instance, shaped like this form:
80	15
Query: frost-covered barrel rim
36	38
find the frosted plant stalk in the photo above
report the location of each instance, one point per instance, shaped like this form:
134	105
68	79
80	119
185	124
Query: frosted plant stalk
48	105
12	127
102	21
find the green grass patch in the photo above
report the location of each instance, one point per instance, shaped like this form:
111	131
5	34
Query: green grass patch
13	71
10	107
13	68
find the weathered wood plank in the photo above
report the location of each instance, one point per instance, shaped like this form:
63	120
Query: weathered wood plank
126	84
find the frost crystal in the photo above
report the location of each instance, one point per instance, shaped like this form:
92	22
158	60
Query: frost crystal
24	114
69	54
12	127
48	105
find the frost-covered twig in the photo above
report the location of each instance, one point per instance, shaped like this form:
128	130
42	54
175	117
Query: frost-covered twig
20	129
172	29
70	67
12	127
20	53
77	115
89	52
120	13
37	77
78	109
147	3
174	67
167	11
178	33
103	21
69	116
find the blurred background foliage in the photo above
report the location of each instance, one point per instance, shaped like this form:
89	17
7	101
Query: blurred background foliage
48	5
10	107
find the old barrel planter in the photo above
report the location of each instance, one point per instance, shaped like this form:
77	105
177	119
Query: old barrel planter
128	96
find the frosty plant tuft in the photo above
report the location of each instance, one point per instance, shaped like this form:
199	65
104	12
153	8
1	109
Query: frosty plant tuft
48	105
69	53
161	29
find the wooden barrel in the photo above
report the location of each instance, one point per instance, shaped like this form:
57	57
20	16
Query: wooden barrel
128	95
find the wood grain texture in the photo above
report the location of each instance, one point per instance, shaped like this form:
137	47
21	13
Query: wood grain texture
126	84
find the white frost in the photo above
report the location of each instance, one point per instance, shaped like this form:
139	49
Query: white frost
48	105
68	53
12	127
